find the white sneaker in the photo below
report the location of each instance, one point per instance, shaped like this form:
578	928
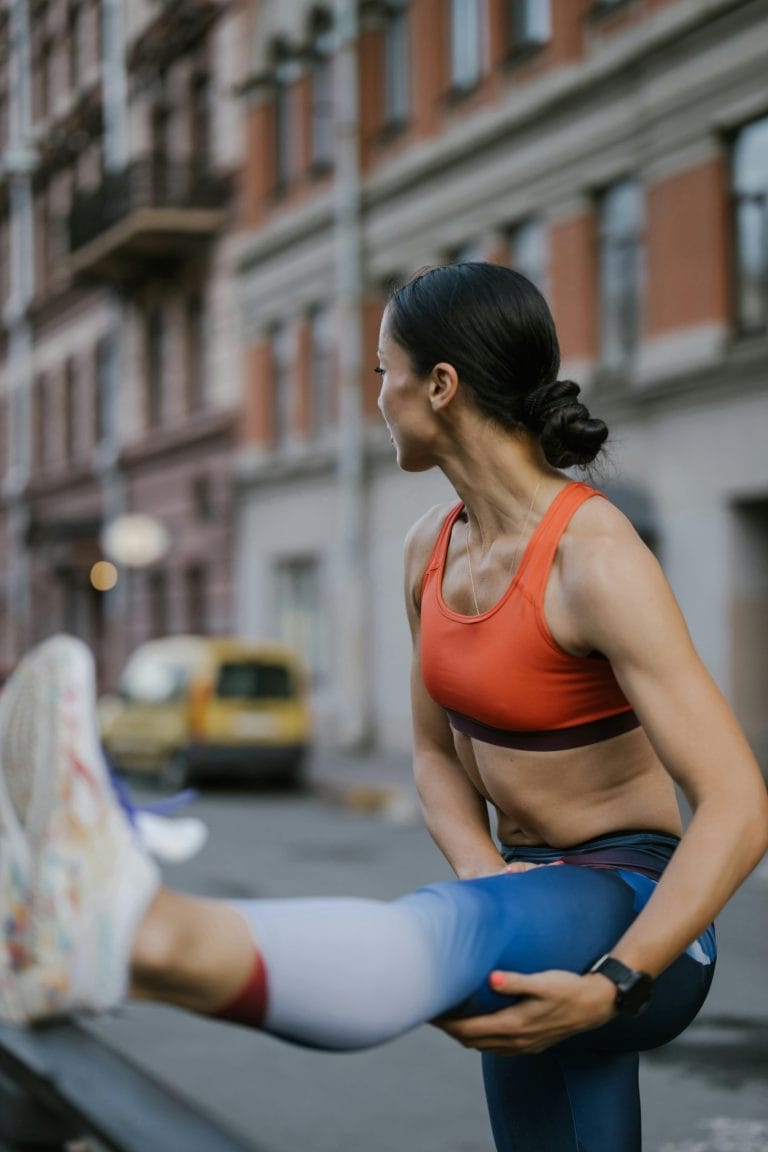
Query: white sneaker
74	883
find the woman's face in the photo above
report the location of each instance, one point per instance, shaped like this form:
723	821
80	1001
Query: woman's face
404	404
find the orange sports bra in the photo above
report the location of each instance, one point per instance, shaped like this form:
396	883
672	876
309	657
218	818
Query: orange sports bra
501	676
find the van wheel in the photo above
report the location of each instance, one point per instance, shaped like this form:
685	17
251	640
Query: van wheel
175	773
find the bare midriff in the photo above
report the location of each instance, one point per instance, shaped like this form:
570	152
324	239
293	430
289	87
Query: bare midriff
612	786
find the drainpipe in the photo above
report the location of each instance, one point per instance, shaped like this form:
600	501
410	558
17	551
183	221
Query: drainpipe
18	163
351	586
106	463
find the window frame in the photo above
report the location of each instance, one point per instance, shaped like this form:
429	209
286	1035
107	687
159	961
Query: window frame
612	243
522	40
738	199
533	224
464	67
321	67
396	68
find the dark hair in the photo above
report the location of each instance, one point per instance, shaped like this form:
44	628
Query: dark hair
496	329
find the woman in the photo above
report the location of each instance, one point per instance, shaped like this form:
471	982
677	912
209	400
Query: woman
553	676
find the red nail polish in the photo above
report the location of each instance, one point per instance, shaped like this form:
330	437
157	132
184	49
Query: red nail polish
496	980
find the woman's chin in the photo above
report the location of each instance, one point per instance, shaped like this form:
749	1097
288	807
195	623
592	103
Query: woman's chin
412	462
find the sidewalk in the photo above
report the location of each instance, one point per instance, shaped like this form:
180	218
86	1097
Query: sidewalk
376	782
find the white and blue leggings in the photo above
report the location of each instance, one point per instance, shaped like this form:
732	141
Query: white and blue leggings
347	973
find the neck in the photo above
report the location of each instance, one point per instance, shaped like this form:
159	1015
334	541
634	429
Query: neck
502	478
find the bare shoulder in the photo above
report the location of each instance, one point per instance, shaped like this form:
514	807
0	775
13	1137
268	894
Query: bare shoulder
599	542
610	579
418	547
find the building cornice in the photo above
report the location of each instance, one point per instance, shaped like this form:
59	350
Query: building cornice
740	372
163	442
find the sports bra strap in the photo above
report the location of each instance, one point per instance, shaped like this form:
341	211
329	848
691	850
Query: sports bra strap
537	560
440	547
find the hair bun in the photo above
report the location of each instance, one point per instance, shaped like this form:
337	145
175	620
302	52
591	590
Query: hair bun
569	435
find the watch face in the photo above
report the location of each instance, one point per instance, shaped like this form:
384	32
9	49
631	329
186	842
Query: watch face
634	993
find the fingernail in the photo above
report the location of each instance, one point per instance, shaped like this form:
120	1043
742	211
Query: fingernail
496	980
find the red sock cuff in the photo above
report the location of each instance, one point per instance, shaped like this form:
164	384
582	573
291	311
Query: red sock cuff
250	1003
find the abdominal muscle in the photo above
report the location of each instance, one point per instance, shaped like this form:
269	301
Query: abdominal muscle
564	798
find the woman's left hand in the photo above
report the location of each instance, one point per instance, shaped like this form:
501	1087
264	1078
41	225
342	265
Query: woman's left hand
555	1005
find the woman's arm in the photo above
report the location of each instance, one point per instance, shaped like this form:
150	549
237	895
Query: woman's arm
630	612
625	609
454	812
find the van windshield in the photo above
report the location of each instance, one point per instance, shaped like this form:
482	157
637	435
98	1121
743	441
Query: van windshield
254	680
153	681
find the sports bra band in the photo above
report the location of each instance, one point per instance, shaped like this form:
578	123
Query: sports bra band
553	740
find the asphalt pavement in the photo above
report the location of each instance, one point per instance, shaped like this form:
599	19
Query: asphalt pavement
356	831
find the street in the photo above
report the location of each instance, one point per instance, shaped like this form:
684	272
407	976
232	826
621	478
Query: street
704	1093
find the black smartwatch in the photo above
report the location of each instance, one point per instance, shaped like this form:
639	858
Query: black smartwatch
633	989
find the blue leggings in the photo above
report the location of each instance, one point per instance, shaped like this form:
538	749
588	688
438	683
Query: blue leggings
348	973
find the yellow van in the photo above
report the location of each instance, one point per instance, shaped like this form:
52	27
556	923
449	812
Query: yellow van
194	706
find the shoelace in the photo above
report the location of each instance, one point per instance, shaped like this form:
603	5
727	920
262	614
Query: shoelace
166	806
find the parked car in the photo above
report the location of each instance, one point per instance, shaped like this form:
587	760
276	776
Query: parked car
188	707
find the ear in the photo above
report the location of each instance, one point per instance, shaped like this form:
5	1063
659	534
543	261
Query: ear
443	386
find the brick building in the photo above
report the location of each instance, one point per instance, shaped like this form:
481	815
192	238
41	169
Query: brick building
119	374
202	207
614	150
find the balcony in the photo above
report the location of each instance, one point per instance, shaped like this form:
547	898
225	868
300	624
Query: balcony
152	214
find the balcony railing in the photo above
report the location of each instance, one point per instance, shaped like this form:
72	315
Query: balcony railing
152	207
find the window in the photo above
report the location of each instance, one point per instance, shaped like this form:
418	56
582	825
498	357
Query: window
3	437
465	43
70	409
528	251
157	588
41	78
197	599
299	612
154	398
283	369
750	189
465	253
160	151
322	92
74	45
620	272
200	121
39	421
321	368
254	681
286	119
102	401
202	498
4	79
529	24
194	324
396	66
5	252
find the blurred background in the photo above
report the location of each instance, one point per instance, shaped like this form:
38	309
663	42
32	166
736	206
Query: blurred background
203	205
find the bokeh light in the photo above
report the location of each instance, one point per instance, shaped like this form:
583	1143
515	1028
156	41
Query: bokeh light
103	575
135	540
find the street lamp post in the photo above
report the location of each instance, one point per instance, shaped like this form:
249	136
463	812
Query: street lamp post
354	675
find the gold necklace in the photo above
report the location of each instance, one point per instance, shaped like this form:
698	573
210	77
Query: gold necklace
517	546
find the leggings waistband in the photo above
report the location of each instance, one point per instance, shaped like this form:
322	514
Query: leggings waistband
644	852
